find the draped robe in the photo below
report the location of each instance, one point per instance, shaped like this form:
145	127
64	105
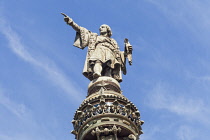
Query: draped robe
103	49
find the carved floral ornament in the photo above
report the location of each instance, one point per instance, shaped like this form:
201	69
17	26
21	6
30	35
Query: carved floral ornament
103	105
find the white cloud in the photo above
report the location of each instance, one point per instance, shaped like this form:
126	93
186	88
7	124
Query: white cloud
18	110
27	126
188	12
164	97
150	132
4	137
187	133
204	78
50	70
27	136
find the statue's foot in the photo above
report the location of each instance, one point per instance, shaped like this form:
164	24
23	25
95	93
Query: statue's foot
96	75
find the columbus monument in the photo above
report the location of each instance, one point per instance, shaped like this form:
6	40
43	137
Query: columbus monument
105	114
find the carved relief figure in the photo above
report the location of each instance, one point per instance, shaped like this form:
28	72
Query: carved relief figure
103	57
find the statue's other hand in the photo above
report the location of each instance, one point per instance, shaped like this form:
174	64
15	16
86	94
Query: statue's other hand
68	20
130	48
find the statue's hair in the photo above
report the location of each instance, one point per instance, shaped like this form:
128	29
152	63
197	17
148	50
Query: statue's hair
108	30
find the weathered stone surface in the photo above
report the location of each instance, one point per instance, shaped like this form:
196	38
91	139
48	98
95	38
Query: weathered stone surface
104	57
105	113
104	84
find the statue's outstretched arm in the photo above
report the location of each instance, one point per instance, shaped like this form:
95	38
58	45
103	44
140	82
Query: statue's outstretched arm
70	22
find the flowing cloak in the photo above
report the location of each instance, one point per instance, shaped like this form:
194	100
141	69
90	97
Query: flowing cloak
100	48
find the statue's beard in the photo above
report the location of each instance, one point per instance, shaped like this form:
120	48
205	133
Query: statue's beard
104	33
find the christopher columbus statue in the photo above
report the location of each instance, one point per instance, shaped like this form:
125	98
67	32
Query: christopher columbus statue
103	57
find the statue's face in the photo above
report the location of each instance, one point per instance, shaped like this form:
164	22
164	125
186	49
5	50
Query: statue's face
103	29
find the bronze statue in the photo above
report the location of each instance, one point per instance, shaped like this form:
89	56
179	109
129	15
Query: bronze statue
104	57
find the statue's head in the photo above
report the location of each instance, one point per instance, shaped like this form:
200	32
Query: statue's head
105	29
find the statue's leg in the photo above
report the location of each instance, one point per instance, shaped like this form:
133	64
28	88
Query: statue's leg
97	69
108	72
116	74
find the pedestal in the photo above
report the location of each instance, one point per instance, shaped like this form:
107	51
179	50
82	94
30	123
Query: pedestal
106	114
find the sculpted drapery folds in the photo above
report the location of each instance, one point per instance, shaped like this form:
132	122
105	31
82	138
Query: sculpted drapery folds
103	56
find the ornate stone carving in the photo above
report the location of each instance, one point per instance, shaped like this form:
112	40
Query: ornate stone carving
130	137
104	114
106	131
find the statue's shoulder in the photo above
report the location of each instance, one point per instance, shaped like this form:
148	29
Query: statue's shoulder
93	36
84	31
113	42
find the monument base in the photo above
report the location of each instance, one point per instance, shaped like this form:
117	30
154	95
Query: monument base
106	113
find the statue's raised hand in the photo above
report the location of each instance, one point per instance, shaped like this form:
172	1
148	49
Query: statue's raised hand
67	19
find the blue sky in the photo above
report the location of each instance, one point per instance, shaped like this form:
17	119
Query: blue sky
41	84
